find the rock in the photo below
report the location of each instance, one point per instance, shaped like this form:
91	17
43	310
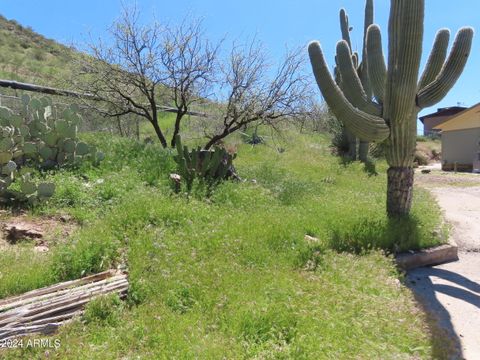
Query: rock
177	182
15	231
41	248
311	239
175	177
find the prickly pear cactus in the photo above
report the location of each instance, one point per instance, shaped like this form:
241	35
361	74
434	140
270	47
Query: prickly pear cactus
35	139
13	133
211	166
30	191
54	141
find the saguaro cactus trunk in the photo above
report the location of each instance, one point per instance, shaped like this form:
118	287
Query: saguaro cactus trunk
398	93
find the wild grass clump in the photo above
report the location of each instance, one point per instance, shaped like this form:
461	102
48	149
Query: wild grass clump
104	310
367	231
21	271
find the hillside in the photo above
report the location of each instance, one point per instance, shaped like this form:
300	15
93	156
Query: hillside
230	275
289	263
30	57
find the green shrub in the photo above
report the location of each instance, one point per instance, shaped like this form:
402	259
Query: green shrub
39	54
268	333
421	158
90	253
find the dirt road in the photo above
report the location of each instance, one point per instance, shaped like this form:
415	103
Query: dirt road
452	291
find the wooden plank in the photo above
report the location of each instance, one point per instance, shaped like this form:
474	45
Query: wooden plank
69	291
54	288
77	293
44	310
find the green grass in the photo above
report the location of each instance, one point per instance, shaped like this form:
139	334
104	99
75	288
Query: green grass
231	276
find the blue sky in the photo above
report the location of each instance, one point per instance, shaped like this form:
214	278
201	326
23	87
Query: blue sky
277	23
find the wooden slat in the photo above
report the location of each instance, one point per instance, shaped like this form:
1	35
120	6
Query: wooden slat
53	288
44	310
32	310
69	290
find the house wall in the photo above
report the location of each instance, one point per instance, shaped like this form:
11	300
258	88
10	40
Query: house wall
460	146
430	123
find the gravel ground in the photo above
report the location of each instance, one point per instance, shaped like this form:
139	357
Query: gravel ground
451	292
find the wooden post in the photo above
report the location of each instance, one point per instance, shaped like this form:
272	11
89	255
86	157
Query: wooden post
137	127
119	125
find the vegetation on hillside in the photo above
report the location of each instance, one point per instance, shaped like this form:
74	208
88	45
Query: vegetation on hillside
428	150
30	57
232	274
293	260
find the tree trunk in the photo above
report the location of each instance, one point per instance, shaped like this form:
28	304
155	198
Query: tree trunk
216	139
363	151
178	120
137	128
399	191
159	133
119	125
213	141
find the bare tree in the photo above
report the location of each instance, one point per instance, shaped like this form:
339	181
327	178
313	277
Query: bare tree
253	95
126	74
189	63
144	65
147	65
315	118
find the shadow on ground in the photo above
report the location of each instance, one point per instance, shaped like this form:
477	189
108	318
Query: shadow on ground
446	341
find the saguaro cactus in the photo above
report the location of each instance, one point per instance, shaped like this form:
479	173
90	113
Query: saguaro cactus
363	75
398	92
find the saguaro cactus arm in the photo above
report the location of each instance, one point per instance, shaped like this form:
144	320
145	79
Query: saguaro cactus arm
351	83
377	69
355	59
363	70
345	27
368	16
365	126
450	72
436	59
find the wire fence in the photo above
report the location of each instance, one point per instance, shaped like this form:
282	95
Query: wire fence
126	125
